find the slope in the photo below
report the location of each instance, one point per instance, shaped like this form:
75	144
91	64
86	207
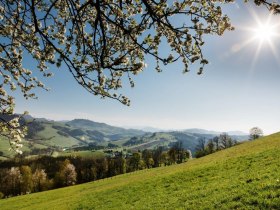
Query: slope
47	135
107	130
242	177
154	140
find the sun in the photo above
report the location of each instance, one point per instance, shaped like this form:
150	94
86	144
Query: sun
262	34
265	32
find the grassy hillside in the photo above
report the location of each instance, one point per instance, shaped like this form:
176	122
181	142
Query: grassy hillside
55	136
51	136
5	151
4	148
112	132
154	140
242	177
83	154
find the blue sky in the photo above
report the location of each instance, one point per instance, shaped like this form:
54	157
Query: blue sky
238	90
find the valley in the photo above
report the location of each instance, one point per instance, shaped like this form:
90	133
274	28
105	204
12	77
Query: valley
87	138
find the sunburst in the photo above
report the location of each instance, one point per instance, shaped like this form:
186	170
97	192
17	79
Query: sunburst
262	34
265	33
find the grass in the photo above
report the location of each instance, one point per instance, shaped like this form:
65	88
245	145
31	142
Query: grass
45	138
119	142
54	138
4	147
84	154
242	177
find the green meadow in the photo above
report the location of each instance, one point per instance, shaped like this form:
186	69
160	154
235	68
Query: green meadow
246	176
84	154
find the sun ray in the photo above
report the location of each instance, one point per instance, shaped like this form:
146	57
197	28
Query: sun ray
274	52
256	56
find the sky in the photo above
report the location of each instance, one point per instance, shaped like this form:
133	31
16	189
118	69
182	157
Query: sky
238	90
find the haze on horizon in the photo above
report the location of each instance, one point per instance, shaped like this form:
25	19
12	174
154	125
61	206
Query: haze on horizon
238	90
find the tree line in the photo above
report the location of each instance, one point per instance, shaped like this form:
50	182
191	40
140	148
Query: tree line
22	176
224	141
206	147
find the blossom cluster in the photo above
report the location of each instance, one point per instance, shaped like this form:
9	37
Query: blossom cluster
14	132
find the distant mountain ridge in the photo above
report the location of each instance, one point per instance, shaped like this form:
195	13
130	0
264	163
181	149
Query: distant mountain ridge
201	131
204	131
86	123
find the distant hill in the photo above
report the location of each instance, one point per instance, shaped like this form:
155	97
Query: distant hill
245	176
48	135
45	136
203	131
166	139
107	130
147	129
237	133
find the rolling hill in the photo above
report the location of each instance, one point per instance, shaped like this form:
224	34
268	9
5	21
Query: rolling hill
110	131
242	177
189	140
51	136
47	136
